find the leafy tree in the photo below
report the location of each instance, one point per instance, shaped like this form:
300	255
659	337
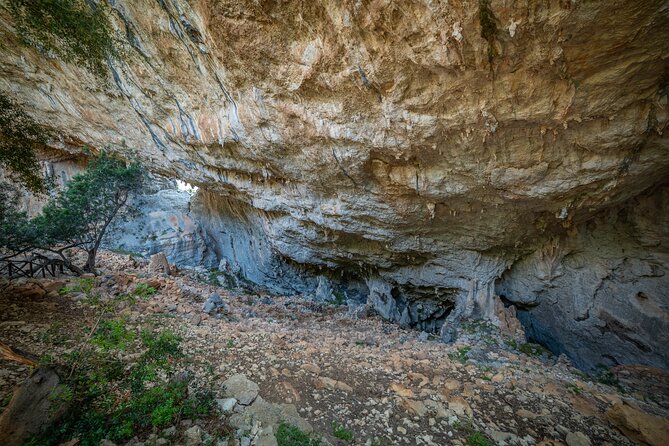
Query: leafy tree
80	215
74	30
20	137
16	233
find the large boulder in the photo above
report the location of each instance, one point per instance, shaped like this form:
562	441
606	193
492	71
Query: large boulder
36	405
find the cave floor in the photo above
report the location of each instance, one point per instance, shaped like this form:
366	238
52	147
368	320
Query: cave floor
383	383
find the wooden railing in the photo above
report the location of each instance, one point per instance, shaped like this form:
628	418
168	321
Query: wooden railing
31	267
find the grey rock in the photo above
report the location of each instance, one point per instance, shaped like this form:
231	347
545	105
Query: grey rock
226	405
159	264
577	439
213	305
193	436
241	388
448	195
323	291
169	432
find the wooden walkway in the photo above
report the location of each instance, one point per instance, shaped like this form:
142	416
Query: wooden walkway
32	267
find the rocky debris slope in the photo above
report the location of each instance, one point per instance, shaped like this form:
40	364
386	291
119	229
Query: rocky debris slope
427	146
280	358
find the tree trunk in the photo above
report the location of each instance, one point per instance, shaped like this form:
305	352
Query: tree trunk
90	263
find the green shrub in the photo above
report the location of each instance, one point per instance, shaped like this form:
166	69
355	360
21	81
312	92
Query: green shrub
339	431
112	335
119	401
290	435
531	349
477	439
84	285
144	291
460	355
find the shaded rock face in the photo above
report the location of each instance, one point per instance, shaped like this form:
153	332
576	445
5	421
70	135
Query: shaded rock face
600	294
416	150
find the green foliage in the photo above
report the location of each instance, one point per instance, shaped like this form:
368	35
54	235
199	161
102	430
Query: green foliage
118	401
531	349
290	435
144	291
16	234
340	298
464	425
61	393
460	355
605	376
74	30
20	137
113	335
339	431
85	285
573	388
477	439
80	215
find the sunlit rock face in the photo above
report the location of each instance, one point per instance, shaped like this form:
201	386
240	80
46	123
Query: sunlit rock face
392	146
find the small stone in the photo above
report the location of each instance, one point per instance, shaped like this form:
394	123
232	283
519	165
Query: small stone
193	436
213	305
227	404
159	264
577	439
169	432
460	407
313	368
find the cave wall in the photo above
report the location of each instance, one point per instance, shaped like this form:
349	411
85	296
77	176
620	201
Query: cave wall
599	294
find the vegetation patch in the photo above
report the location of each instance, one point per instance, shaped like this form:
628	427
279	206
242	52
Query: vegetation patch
460	355
20	137
84	285
118	398
339	431
73	30
531	349
477	439
290	435
144	291
573	388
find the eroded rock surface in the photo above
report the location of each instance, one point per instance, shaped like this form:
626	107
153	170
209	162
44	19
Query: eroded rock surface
417	149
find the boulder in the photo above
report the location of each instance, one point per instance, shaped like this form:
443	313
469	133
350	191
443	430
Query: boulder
241	388
638	425
159	264
36	404
213	305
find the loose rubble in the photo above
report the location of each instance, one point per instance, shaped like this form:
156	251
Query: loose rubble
277	359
